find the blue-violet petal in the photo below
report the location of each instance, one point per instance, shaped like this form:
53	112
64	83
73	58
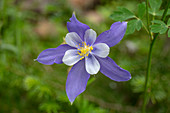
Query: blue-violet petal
53	55
76	80
76	26
114	35
110	69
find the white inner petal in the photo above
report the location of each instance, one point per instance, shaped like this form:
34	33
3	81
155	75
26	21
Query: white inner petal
92	65
90	36
71	57
73	39
101	49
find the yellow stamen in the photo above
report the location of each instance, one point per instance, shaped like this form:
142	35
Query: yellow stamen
84	50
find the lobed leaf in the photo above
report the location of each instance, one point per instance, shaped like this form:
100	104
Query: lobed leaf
158	22
159	95
122	14
138	84
154	7
141	10
159	12
138	25
158	27
155	4
168	13
31	82
49	107
133	25
8	47
168	23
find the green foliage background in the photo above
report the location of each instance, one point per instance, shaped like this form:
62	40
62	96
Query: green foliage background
29	27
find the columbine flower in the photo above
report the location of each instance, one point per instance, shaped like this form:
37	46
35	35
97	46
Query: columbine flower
87	54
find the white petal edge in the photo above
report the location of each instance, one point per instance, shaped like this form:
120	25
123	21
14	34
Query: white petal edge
101	49
92	65
71	57
73	39
90	36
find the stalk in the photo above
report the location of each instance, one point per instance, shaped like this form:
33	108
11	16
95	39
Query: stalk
150	55
147	19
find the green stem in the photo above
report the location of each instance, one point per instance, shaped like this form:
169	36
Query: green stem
148	74
145	28
147	18
150	58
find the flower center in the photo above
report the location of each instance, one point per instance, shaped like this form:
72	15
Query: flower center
84	50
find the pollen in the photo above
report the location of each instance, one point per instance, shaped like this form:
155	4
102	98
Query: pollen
84	50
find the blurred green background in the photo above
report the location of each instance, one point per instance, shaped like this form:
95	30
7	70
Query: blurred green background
28	27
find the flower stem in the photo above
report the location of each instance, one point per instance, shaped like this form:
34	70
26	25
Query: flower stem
147	75
145	28
147	18
150	56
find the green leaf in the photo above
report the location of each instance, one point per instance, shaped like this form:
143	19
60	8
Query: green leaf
160	95
31	82
168	23
138	84
155	4
128	12
169	33
122	14
9	47
154	7
141	10
159	27
168	13
133	25
138	25
158	13
158	22
49	107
